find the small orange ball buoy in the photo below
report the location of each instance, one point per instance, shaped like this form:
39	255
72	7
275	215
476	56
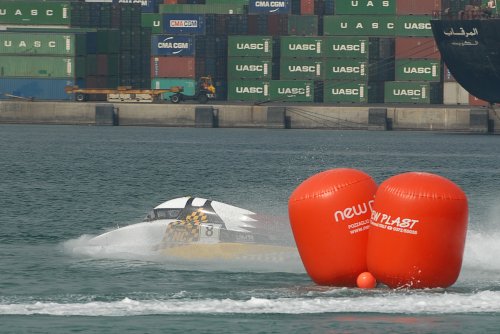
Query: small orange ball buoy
330	217
366	281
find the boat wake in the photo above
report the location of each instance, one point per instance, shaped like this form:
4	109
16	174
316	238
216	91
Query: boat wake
200	257
190	233
421	302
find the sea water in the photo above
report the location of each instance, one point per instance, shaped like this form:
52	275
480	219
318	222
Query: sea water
61	185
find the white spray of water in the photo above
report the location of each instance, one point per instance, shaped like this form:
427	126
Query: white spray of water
482	248
239	258
482	251
415	303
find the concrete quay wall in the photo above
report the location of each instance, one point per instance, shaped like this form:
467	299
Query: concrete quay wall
377	117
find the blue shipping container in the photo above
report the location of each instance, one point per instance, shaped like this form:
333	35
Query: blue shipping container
147	6
184	24
269	7
91	42
172	45
165	83
36	88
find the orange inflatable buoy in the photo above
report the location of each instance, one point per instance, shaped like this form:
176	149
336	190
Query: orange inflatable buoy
417	233
330	216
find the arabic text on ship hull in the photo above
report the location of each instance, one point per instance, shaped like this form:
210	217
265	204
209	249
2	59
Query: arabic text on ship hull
471	50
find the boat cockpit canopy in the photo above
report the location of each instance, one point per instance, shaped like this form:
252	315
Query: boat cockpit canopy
163	213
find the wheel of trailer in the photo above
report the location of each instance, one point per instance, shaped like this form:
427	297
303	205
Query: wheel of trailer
80	97
176	98
203	98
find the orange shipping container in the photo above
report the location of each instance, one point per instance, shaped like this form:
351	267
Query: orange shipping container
306	7
416	48
418	7
474	101
173	67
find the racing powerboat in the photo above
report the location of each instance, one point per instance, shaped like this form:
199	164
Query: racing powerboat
198	228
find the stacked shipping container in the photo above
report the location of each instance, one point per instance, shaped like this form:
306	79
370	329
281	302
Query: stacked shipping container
250	68
178	52
48	45
358	51
384	20
204	40
40	64
418	65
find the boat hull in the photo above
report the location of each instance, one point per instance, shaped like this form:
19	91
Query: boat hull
471	51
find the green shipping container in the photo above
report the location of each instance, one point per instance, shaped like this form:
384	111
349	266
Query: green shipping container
346	69
109	40
301	68
42	66
418	70
249	67
250	46
189	85
352	92
292	91
346	47
365	7
248	90
413	92
359	25
414	25
345	91
153	21
53	43
35	12
301	46
303	25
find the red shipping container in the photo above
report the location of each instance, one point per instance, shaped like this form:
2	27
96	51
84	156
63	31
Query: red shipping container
277	25
95	81
170	2
102	64
416	48
173	67
306	7
474	101
252	24
418	7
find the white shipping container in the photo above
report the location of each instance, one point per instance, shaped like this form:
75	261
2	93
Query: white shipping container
454	94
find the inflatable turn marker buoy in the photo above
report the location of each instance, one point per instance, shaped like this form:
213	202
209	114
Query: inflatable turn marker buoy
418	230
330	217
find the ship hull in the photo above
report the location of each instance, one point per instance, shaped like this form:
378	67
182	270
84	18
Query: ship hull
471	51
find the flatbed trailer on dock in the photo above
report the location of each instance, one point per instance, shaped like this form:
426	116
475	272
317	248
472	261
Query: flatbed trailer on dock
122	93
